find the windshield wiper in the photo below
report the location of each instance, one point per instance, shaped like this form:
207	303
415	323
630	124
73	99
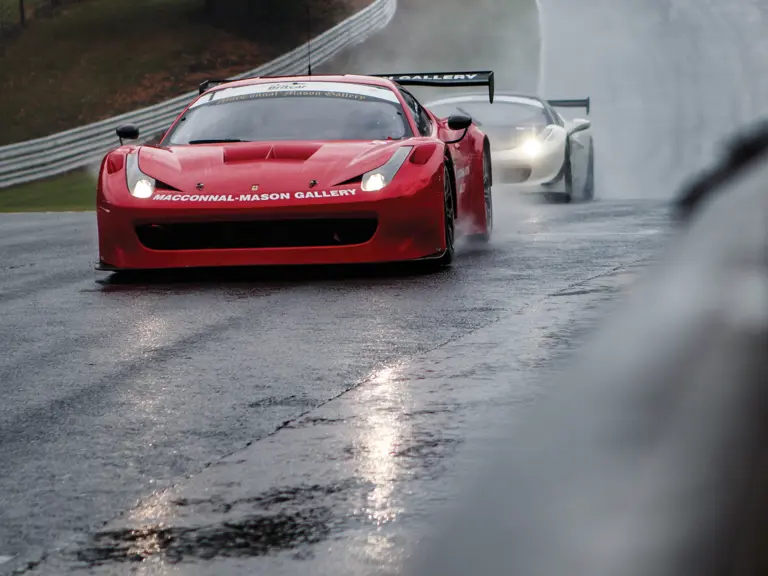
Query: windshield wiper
214	141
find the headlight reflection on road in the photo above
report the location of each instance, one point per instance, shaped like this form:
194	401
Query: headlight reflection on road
146	333
147	538
383	434
157	509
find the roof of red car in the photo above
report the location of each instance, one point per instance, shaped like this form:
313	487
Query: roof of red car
348	78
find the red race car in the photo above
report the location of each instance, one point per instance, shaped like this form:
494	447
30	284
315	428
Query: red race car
299	170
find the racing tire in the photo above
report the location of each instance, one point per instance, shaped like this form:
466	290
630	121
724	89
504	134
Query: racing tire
485	237
567	197
568	178
589	185
449	218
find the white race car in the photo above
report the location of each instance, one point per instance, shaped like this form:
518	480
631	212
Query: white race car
533	147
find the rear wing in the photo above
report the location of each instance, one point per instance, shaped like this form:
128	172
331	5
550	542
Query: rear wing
439	79
445	79
573	103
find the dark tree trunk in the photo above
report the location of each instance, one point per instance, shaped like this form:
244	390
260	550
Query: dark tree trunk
22	14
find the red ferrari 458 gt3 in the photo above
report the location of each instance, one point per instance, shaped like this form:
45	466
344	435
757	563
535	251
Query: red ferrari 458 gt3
299	170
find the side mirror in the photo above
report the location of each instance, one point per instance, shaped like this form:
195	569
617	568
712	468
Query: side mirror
579	125
127	132
459	122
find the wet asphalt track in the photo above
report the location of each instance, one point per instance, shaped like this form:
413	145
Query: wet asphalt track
112	390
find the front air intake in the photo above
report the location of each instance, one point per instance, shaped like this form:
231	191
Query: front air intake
287	233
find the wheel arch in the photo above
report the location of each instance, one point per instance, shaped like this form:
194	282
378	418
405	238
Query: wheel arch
448	159
487	150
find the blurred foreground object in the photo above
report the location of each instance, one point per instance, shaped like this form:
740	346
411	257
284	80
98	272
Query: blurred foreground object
650	459
743	152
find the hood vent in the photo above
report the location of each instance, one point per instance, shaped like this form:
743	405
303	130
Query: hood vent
256	152
160	185
251	153
293	151
355	180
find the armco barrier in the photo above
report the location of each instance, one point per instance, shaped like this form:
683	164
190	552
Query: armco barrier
79	147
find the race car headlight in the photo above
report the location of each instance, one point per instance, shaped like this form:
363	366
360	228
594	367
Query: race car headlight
379	177
532	147
139	184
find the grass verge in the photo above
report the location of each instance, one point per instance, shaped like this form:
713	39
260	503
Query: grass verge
94	59
99	58
75	191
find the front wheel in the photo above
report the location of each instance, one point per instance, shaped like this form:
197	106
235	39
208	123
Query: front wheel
487	197
568	177
567	196
449	219
488	200
589	186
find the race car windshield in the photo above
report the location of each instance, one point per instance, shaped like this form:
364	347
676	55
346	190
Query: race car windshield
307	111
500	114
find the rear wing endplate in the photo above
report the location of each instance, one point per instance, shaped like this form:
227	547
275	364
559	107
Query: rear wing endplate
572	103
445	79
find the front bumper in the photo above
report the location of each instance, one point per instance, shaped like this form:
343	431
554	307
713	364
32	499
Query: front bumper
405	227
529	175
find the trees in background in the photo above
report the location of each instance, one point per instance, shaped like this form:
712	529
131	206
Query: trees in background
278	21
252	18
255	15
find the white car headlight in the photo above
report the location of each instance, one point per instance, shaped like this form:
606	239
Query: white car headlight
532	147
379	177
139	184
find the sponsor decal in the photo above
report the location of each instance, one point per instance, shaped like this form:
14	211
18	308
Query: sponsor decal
345	90
289	93
435	77
291	86
324	193
271	197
